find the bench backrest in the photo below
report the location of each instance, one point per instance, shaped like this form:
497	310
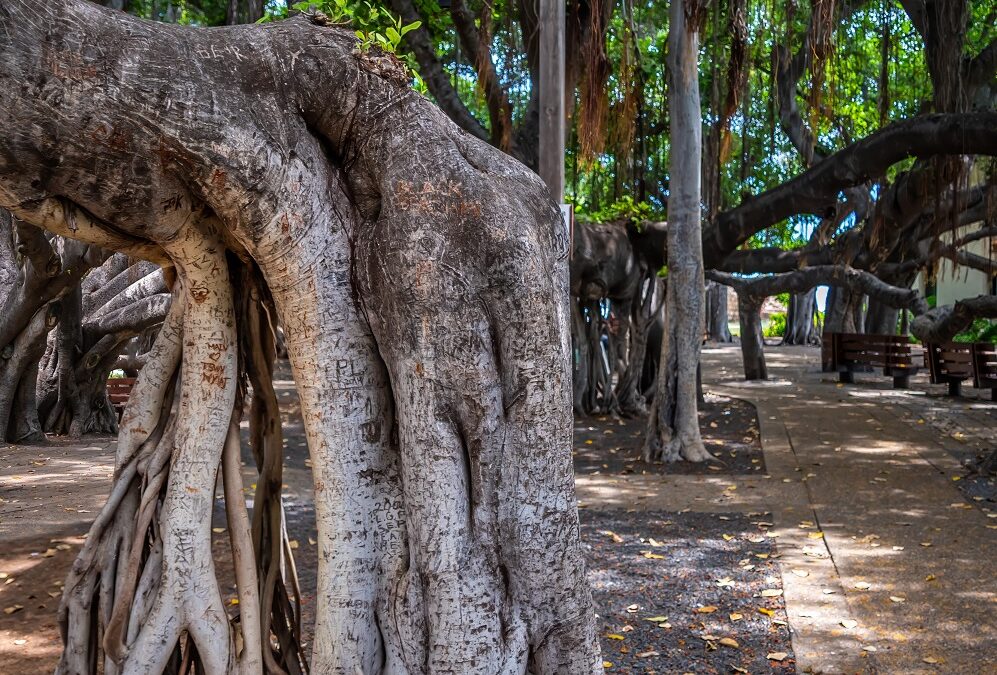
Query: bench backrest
120	388
984	365
892	351
948	361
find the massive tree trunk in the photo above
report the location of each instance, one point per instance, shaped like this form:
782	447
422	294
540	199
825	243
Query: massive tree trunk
673	425
421	278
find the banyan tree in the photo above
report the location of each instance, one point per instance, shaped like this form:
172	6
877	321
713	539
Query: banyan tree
285	173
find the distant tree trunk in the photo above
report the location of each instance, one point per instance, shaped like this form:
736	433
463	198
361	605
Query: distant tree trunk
581	358
717	325
800	317
72	391
881	319
629	393
749	308
673	426
844	312
36	274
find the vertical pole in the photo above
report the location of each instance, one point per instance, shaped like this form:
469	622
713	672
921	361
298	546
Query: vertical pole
552	96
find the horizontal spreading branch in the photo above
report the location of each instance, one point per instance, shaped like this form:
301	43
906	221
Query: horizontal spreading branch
816	191
858	281
942	323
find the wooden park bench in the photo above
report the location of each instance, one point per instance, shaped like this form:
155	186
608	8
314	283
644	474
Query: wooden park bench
953	363
848	353
950	363
118	391
985	367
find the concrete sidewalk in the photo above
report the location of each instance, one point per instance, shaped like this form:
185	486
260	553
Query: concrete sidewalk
887	567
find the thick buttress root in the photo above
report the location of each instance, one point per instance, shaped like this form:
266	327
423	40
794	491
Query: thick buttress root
144	588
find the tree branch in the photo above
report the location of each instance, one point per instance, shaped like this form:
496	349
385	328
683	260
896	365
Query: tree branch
824	275
475	43
433	74
941	324
816	190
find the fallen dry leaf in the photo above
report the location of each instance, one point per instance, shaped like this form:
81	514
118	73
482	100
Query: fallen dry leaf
614	636
657	619
897	598
612	535
776	656
730	642
708	609
771	593
766	611
736	617
849	623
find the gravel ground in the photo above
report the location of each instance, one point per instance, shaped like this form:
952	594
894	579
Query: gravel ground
607	445
700	577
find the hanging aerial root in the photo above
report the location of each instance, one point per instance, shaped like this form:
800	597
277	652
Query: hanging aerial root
189	599
280	613
120	526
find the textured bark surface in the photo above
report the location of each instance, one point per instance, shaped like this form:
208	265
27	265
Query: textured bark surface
421	276
673	425
752	341
800	315
605	266
39	281
717	324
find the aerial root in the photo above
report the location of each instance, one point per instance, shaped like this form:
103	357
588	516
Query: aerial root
119	527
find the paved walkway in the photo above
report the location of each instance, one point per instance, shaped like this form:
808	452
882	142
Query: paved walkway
886	566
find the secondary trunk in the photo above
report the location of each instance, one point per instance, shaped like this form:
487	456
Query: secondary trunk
422	281
673	426
800	315
717	325
749	309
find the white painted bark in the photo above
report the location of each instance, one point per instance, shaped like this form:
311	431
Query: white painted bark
673	426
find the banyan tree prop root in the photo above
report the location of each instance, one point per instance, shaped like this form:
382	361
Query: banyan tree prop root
145	583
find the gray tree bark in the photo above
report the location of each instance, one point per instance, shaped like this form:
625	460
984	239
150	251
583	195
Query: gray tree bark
717	325
38	275
673	425
752	339
800	315
421	278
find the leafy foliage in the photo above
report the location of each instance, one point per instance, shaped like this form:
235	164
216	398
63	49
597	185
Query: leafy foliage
982	330
776	326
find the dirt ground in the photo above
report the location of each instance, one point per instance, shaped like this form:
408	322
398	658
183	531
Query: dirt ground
607	445
678	565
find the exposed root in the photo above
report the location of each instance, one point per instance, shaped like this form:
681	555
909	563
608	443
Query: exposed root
144	589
